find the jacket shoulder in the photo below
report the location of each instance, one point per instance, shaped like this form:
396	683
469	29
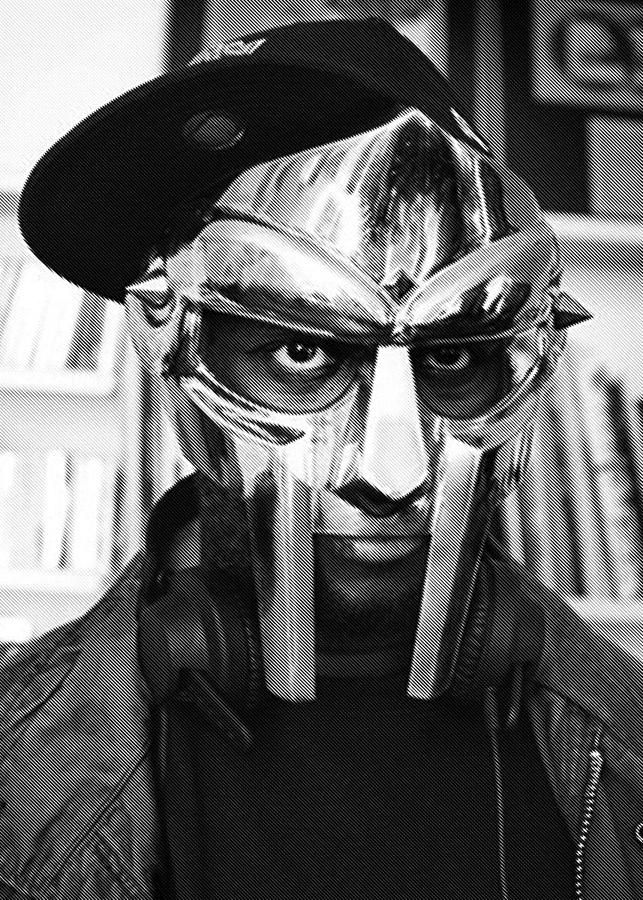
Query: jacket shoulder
26	670
586	706
75	770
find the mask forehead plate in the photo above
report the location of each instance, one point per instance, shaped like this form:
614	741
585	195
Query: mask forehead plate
373	237
503	286
405	198
255	271
242	267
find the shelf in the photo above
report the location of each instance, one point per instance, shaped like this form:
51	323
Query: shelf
68	382
608	611
32	613
70	446
621	623
74	381
33	602
41	581
15	630
591	228
78	423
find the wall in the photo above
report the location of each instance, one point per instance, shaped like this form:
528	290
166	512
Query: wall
60	60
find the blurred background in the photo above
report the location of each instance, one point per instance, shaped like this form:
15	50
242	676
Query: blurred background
557	90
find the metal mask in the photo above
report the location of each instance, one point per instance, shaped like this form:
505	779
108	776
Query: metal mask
414	283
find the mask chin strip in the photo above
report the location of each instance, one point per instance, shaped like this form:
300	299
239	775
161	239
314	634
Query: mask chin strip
286	592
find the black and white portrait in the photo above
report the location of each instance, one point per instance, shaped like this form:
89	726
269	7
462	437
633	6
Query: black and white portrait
321	459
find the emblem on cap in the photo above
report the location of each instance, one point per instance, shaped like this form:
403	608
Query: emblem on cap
234	48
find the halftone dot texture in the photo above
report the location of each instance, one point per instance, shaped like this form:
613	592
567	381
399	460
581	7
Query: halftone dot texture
111	851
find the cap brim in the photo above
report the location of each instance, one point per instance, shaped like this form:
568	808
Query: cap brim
97	201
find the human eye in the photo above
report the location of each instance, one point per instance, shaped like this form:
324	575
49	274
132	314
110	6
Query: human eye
280	368
445	360
302	356
460	380
465	380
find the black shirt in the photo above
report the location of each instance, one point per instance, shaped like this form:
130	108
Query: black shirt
364	793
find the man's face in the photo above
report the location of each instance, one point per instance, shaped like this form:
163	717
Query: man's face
349	339
367	586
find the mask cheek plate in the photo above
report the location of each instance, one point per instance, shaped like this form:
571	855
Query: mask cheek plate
334	453
462	516
283	552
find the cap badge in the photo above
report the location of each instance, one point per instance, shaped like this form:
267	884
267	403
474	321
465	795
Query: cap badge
234	48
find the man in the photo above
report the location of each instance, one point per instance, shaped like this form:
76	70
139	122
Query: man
322	678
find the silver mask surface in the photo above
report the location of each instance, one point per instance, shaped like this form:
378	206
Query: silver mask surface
413	282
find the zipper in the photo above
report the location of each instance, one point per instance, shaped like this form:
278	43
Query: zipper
500	813
492	722
591	789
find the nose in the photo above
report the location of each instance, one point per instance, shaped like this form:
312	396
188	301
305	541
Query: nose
391	467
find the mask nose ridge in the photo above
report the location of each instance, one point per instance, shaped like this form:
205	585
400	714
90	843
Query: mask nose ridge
391	467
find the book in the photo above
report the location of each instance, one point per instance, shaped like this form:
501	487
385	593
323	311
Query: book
10	267
8	472
531	497
63	303
618	457
83	348
23	323
27	517
55	509
88	475
48	325
107	518
577	473
548	470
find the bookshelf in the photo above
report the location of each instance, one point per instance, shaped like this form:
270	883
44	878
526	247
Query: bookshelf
577	519
79	468
70	448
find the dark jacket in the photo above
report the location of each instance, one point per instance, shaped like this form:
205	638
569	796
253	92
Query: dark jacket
78	818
